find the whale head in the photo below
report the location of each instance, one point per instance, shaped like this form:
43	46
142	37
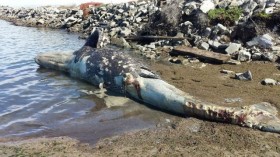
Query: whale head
55	60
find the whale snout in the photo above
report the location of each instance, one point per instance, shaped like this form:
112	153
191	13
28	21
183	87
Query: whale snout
54	60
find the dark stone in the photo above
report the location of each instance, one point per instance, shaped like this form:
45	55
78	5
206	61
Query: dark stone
244	32
200	20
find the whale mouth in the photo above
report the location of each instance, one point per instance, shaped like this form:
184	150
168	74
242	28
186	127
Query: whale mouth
54	60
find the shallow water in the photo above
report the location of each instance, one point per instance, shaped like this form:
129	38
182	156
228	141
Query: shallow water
38	102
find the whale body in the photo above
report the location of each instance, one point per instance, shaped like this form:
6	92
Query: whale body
119	71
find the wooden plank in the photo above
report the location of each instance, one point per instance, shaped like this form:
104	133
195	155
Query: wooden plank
208	55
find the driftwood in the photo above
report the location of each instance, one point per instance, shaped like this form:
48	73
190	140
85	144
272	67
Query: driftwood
203	54
140	38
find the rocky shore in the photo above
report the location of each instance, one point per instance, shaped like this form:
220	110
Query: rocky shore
245	30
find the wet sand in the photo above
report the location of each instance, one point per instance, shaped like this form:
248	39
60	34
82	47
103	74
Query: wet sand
179	136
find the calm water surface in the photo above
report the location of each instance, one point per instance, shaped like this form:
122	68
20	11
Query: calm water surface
36	102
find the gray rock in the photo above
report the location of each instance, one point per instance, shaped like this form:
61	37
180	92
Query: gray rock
204	46
233	100
227	71
151	46
125	31
207	32
222	28
270	56
232	48
120	42
269	10
214	44
256	56
244	76
269	81
275	48
138	19
40	21
244	56
207	5
264	41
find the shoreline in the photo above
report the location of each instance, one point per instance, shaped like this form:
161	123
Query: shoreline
202	138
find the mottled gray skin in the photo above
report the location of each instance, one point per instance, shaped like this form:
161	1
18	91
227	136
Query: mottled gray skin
108	67
118	71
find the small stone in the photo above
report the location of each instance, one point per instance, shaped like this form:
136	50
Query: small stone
120	11
244	76
232	48
207	32
214	44
204	46
256	56
125	31
120	42
269	10
269	81
138	19
275	48
207	5
227	71
270	57
233	100
244	56
222	28
264	41
175	60
151	46
41	22
194	60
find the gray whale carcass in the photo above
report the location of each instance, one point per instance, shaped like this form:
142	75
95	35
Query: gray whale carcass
120	72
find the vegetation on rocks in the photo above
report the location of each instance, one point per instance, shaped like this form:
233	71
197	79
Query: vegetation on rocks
225	16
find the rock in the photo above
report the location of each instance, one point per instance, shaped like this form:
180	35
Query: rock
269	81
275	48
264	41
120	42
244	56
244	32
244	76
269	10
249	7
270	57
207	32
125	31
199	20
256	56
227	71
204	46
40	22
151	46
233	100
175	60
222	28
207	5
232	48
138	19
214	44
120	11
